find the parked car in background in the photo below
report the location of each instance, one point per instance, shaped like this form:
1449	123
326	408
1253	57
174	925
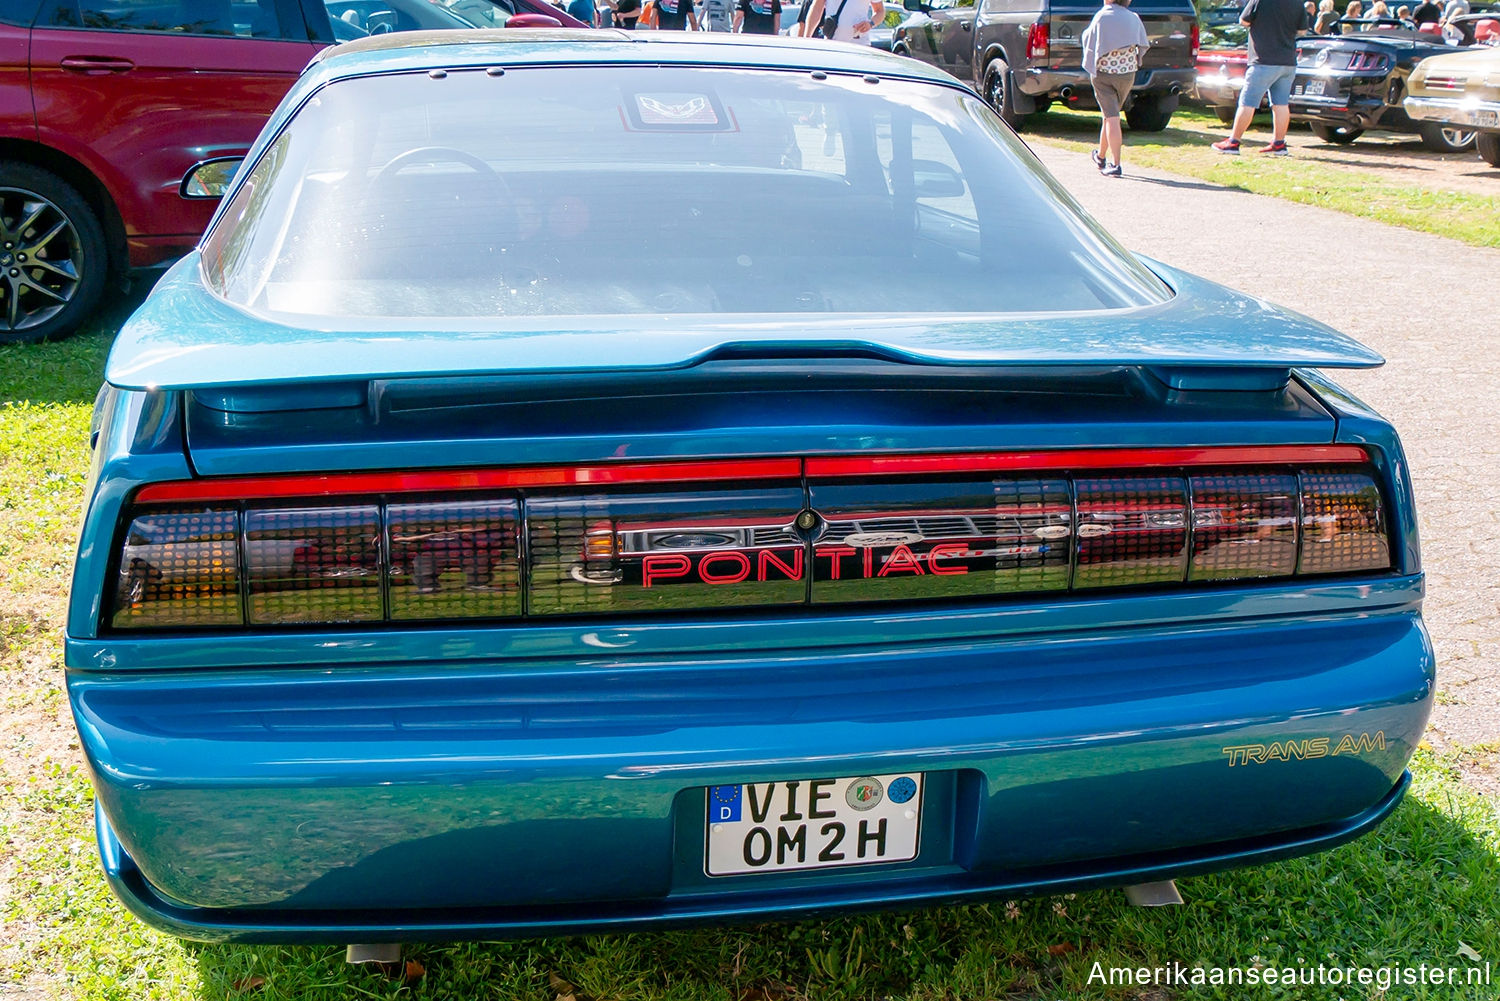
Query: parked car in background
120	123
883	35
1222	56
1023	55
1461	90
501	511
1356	81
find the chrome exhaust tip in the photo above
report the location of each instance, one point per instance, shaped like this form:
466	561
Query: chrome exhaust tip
1159	894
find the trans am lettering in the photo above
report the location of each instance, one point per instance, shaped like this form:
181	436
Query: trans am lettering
1301	750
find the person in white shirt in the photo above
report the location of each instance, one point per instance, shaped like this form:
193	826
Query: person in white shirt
854	19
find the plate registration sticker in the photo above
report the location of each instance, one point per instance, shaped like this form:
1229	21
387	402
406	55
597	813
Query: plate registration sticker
813	823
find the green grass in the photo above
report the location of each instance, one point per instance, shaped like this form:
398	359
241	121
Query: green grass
1183	149
1421	889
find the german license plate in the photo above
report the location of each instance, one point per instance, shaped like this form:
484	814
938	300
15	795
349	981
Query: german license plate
1484	118
813	823
1315	88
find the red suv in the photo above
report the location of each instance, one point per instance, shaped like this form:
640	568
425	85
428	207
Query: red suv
110	110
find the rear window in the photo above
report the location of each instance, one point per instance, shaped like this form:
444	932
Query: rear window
661	190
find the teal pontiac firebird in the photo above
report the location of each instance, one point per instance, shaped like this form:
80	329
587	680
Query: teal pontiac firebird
584	481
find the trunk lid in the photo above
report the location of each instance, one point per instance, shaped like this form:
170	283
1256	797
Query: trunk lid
1169	26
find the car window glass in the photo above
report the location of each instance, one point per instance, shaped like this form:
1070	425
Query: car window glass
660	190
944	216
237	18
18	12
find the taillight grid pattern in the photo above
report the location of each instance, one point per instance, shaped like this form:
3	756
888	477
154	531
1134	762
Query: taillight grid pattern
179	568
1132	530
1032	537
1244	525
313	565
453	561
1343	523
273	562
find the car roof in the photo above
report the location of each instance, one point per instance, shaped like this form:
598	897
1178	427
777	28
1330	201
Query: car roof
432	50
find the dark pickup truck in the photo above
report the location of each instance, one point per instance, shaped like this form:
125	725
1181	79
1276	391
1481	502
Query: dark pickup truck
1022	55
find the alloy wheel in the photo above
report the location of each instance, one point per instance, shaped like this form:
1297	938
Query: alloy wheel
1459	138
40	259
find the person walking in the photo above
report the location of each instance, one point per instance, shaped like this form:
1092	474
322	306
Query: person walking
758	17
844	20
1113	44
674	15
1271	65
718	15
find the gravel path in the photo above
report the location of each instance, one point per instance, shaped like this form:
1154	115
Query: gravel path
1432	307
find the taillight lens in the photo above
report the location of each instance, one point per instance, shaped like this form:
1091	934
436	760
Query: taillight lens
1038	41
1244	525
1343	523
1197	37
453	561
851	529
180	567
313	564
1362	62
1131	531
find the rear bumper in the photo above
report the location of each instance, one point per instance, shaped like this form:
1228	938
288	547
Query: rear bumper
527	795
1484	115
1050	83
210	925
1350	110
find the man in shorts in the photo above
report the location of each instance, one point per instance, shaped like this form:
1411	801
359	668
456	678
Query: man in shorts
1113	45
1271	67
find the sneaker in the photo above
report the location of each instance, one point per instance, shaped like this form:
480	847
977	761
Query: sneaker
1277	148
1098	160
1113	170
1230	146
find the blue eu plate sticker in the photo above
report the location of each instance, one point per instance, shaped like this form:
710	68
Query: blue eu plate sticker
724	804
901	790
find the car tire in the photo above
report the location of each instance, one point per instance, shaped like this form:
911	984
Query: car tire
1226	115
1442	138
1338	135
1488	145
997	94
1151	113
54	262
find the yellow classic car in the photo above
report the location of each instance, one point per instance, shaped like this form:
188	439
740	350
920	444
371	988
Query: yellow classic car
1461	89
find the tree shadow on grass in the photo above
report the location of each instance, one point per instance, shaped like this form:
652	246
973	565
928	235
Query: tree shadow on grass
1410	893
69	370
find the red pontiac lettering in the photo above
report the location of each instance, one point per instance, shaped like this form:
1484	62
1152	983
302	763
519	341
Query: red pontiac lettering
740	560
663	566
769	559
835	554
946	549
901	560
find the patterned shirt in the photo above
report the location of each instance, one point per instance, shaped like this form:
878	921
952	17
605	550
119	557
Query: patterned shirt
1119	61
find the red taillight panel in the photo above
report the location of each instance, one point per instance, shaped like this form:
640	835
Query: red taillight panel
1038	41
1197	37
452	546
